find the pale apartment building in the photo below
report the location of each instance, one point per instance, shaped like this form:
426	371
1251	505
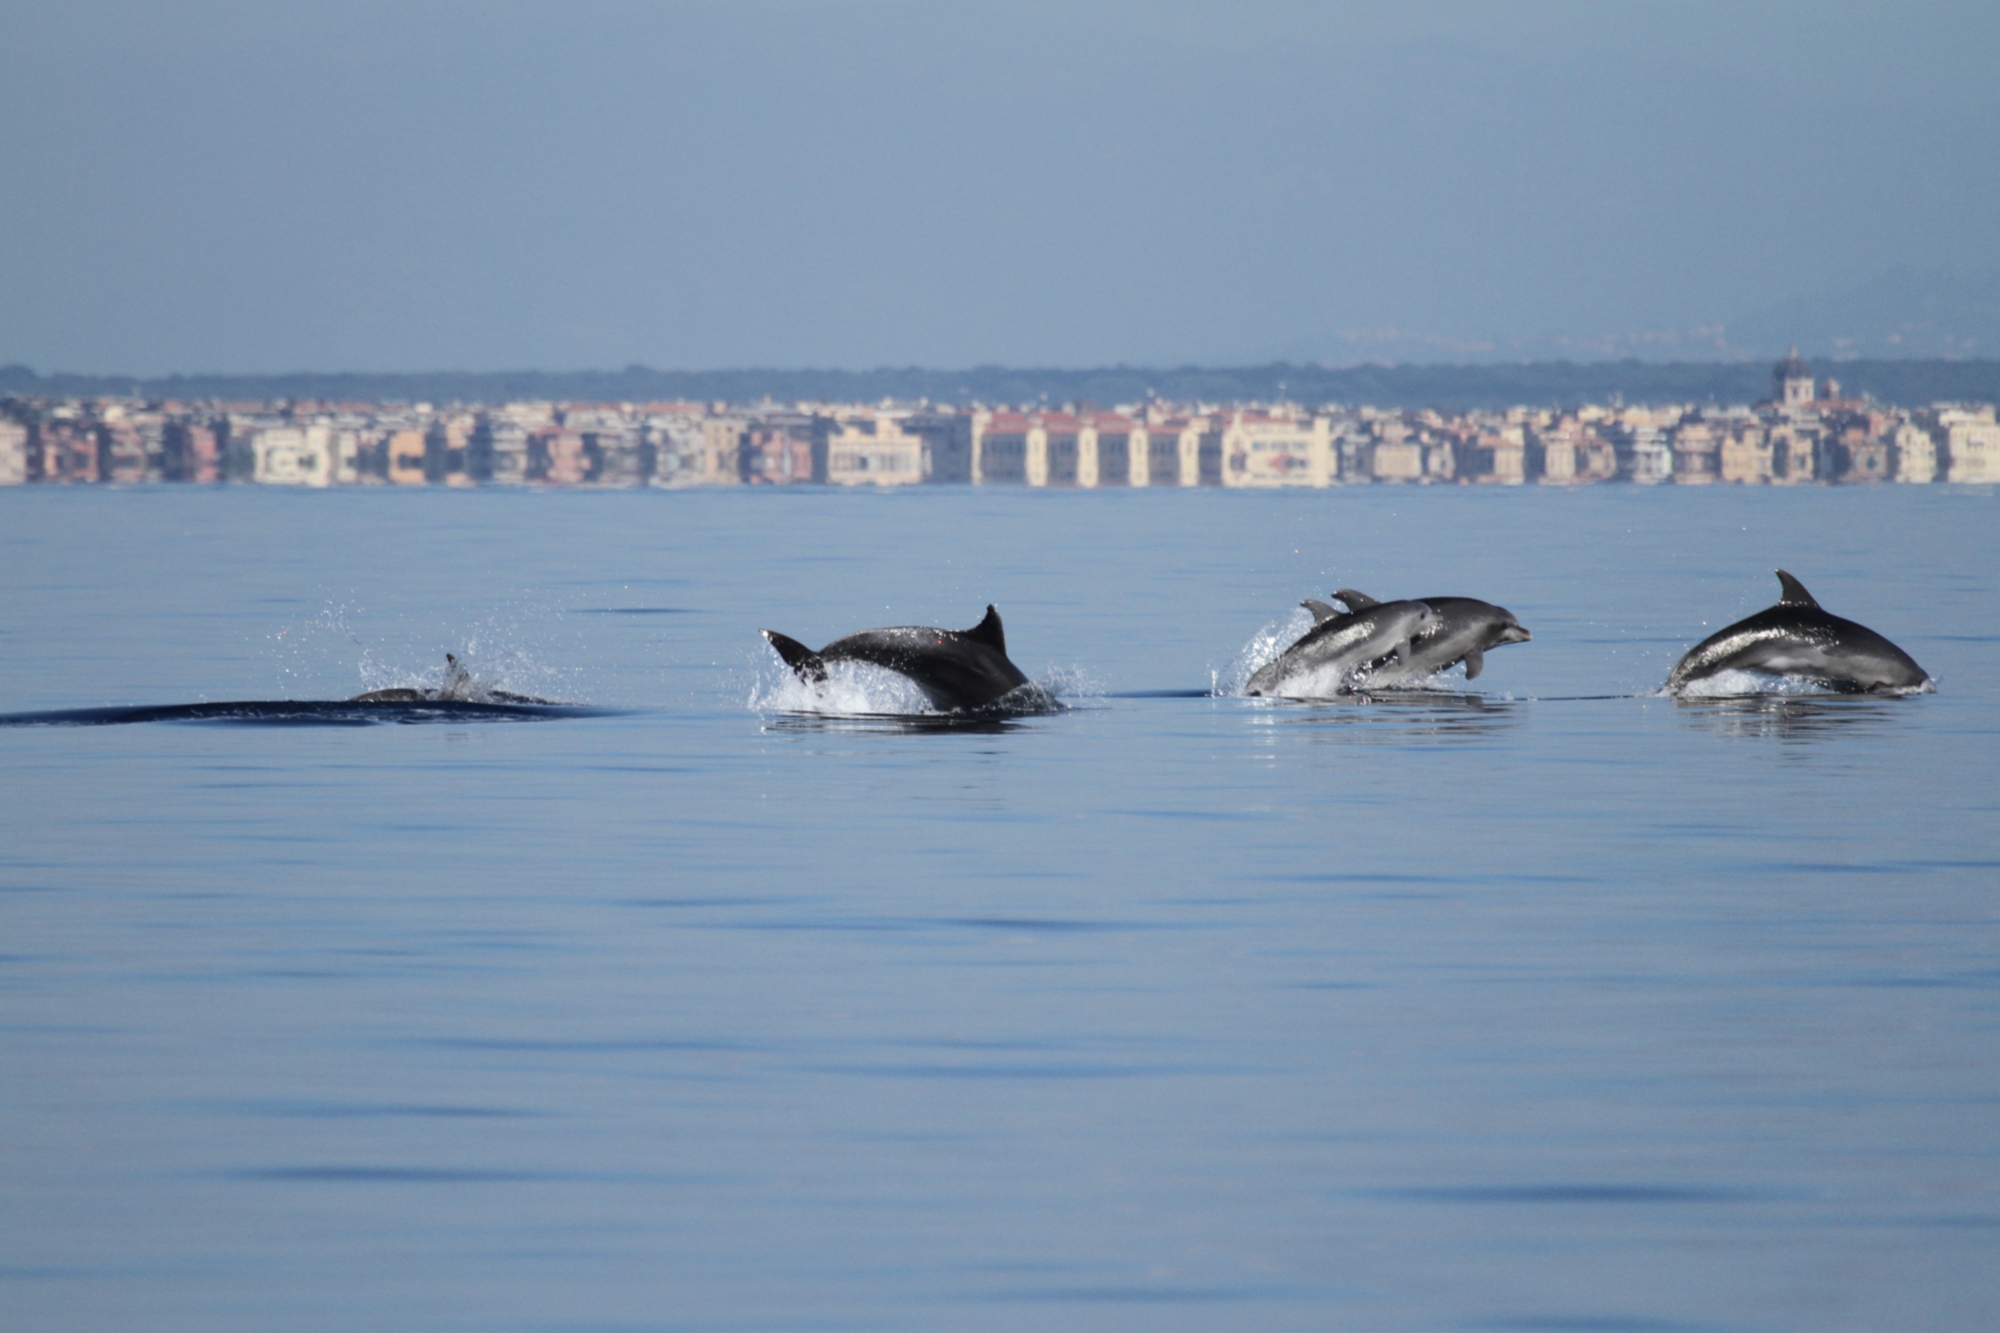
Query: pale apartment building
292	456
1916	455
13	453
1270	450
874	450
1971	443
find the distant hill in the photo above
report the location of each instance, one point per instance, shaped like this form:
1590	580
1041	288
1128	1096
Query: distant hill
1903	313
1905	383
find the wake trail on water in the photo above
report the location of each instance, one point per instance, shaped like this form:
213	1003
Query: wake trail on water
305	713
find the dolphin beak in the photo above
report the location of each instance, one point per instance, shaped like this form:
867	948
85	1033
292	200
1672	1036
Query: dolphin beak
1515	634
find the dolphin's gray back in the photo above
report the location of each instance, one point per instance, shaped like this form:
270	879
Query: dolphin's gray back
1803	641
955	668
1797	637
952	668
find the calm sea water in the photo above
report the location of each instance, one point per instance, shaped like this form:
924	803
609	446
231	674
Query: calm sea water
1517	1010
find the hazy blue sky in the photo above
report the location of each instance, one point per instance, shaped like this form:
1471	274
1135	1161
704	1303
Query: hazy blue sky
406	185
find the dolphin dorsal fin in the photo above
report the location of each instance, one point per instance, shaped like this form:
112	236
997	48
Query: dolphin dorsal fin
988	632
1795	592
1356	601
1321	611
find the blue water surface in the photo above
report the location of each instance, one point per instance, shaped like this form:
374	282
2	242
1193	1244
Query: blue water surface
1544	1003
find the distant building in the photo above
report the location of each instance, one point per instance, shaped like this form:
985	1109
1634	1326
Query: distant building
1492	456
947	437
1056	449
448	449
407	457
1972	444
1170	452
1916	455
1639	437
192	452
1792	382
1118	449
1265	450
1857	444
1000	447
1396	455
64	449
13	453
1794	452
884	455
292	456
776	449
1568	452
555	457
673	433
1745	456
129	443
722	448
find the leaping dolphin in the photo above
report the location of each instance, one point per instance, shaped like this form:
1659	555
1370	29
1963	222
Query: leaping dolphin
1462	630
956	669
1341	652
1796	638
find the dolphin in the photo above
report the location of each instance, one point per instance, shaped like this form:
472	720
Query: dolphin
1463	629
1796	638
955	668
1339	652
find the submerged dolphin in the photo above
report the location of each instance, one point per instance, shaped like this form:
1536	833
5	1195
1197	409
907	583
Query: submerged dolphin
1463	629
1340	652
1796	638
458	687
956	669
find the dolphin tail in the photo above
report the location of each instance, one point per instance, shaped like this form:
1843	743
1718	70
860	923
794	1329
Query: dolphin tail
988	632
1795	593
804	662
1356	601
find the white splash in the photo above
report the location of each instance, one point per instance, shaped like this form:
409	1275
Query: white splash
861	689
1264	646
1738	684
851	689
482	663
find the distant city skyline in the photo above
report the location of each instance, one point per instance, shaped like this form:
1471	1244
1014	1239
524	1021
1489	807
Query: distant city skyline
1805	431
232	187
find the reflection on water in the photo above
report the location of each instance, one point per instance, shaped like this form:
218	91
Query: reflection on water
889	724
1794	717
307	713
1398	717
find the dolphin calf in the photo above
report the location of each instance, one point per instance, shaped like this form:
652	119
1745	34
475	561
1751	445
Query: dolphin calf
1462	629
1340	652
956	669
1796	638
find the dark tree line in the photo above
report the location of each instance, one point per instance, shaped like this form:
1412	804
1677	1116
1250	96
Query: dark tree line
1909	383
